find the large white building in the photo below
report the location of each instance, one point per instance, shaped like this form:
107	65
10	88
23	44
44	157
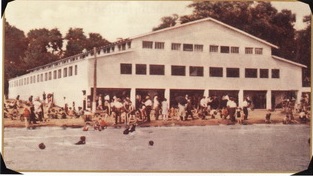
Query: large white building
204	57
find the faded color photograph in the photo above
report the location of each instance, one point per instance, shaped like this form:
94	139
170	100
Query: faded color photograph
157	86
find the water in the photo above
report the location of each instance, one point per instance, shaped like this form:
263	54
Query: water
237	148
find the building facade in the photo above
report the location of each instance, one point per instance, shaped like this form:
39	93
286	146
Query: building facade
204	57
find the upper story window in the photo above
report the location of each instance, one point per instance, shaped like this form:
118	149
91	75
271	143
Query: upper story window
176	46
75	70
147	44
64	72
263	73
234	49
199	48
50	75
232	72
224	49
157	69
251	73
216	71
126	69
159	45
275	73
141	69
195	71
258	50
46	76
248	50
178	70
70	71
41	77
187	47
213	48
38	78
54	74
59	73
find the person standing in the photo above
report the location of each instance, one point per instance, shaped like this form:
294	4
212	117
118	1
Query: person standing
156	107
231	105
165	109
203	106
245	106
148	105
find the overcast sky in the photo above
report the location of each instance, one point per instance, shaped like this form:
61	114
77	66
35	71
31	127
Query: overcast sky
112	19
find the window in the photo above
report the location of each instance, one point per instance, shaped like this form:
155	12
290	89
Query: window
50	75
234	49
224	49
178	70
38	78
41	77
64	72
54	74
59	73
176	46
199	48
263	73
141	69
251	73
126	69
232	72
70	71
159	45
195	71
156	69
187	47
275	73
258	50
216	72
31	80
34	79
27	80
75	70
147	44
46	76
213	48
249	50
24	81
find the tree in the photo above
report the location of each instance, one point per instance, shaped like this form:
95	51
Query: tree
15	44
167	22
76	42
303	54
44	46
95	40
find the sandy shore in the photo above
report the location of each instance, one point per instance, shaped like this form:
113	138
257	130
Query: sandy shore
255	117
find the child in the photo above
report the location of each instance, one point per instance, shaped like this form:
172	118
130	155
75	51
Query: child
164	109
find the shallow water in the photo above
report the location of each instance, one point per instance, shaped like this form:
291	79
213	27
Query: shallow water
236	148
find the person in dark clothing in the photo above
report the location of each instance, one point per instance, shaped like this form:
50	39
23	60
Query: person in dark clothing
189	108
32	116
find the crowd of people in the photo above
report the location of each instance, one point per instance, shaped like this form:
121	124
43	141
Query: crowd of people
124	111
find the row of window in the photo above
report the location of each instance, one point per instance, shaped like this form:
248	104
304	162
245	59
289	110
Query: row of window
141	69
56	74
199	47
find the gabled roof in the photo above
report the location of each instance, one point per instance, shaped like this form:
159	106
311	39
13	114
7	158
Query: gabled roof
288	61
208	19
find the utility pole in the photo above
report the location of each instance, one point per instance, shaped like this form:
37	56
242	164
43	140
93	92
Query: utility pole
94	82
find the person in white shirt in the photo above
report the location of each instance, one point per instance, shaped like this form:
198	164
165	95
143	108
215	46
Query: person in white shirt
203	107
231	105
156	107
148	105
165	109
245	105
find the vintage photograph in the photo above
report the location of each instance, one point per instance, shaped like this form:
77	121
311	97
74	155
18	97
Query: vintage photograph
157	86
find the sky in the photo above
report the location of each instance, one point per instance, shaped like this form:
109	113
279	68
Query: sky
111	19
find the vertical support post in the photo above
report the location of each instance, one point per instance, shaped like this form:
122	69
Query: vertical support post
133	96
269	99
240	97
94	82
